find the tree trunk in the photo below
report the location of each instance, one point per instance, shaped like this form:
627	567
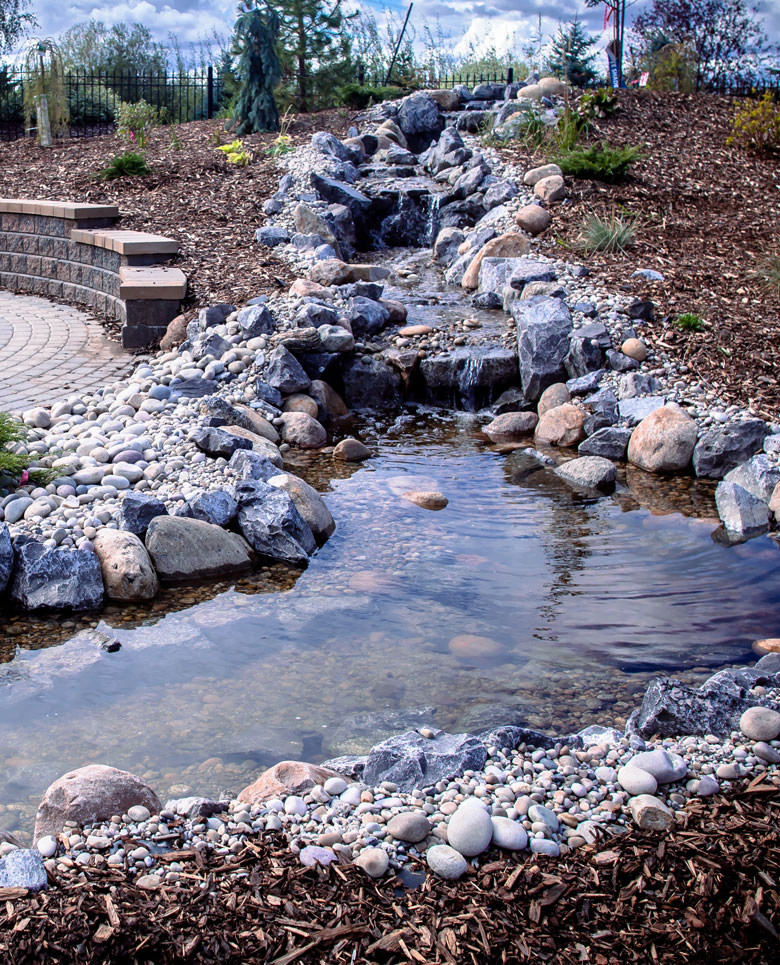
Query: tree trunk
44	125
302	93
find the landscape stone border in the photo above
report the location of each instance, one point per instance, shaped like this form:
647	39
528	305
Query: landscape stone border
73	252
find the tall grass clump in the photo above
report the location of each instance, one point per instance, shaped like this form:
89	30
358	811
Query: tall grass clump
612	233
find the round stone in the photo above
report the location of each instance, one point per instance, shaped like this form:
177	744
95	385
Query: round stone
770	644
540	814
470	830
511	426
335	785
148	882
664	766
410	826
760	723
508	834
636	781
446	862
766	752
374	861
47	845
138	813
553	396
295	805
707	786
634	348
427	499
544	846
351	450
469	647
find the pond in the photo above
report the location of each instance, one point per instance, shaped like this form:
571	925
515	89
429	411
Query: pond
521	600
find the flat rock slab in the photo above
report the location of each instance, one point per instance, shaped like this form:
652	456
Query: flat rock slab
49	351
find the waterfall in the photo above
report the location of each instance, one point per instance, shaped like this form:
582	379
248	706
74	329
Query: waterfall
431	221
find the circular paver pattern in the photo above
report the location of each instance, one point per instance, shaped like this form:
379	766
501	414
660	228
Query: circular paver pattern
50	351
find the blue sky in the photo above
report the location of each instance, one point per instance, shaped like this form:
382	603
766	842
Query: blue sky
461	21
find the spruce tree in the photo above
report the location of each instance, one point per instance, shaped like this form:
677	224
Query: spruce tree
259	70
570	55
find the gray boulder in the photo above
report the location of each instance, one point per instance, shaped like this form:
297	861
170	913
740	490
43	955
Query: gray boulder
255	320
191	549
314	314
23	868
420	119
214	315
6	556
726	447
633	384
253	465
499	193
272	235
210	343
758	476
469	181
584	355
285	373
528	270
584	384
329	144
610	442
445	247
272	525
137	510
543	329
217	507
367	317
589	472
370	384
336	192
412	761
217	442
457	269
56	579
634	410
741	513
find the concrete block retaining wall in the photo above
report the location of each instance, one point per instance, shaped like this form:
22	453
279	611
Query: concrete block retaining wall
75	253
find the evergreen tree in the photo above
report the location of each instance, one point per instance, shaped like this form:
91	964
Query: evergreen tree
314	49
14	22
259	70
570	55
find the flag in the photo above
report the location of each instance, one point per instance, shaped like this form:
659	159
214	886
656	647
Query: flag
608	11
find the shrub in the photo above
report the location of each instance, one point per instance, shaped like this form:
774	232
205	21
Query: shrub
13	465
755	126
129	164
282	143
95	104
768	275
359	96
135	122
235	153
689	322
611	233
597	103
598	162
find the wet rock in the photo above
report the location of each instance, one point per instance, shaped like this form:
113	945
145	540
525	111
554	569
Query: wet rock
137	510
309	504
741	513
330	405
285	372
55	579
271	524
509	245
726	447
127	571
91	794
671	708
589	472
553	396
562	426
427	499
351	450
367	317
446	862
664	441
283	779
6	556
190	549
468	377
543	329
337	192
511	426
758	476
23	868
470	829
370	384
299	429
610	442
253	465
650	813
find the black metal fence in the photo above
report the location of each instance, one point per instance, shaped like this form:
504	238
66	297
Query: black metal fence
94	98
431	82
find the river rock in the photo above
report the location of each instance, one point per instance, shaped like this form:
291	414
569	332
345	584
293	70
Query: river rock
509	835
299	429
446	862
253	465
217	442
650	813
217	507
742	513
330	405
426	499
284	779
374	861
411	760
137	510
509	245
550	189
543	329
90	794
561	426
662	764
664	441
445	247
726	447
636	781
23	868
470	648
370	384
285	372
588	472
191	549
309	504
351	450
409	826
670	708
6	556
760	723
271	524
127	571
55	579
553	396
533	218
511	426
534	175
758	476
611	442
470	829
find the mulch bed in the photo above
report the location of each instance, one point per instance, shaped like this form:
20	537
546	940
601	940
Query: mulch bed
211	207
708	216
708	892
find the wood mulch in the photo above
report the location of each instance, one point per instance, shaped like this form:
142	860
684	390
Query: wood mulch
211	207
707	892
708	215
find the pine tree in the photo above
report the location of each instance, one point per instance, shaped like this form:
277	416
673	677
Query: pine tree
259	70
570	55
315	50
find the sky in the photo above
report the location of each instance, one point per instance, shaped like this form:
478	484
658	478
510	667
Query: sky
502	22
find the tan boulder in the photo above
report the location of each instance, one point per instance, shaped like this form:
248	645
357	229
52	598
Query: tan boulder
302	287
175	334
551	87
397	310
89	794
125	565
351	450
329	403
468	647
561	426
446	99
390	129
534	175
428	499
356	143
634	348
308	222
650	813
258	424
511	425
550	189
509	245
260	443
533	218
768	645
553	396
298	402
529	93
664	441
284	779
303	431
309	504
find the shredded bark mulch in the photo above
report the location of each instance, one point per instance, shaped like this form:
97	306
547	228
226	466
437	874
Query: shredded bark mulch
707	892
193	194
707	216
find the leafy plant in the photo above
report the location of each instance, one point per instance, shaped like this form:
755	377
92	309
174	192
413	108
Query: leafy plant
597	103
568	131
14	465
45	94
129	164
755	126
689	322
236	153
175	140
612	233
598	162
134	123
282	143
487	135
768	274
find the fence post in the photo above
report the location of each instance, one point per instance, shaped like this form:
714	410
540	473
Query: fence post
210	92
510	75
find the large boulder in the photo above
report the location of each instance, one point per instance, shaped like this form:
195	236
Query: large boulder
272	525
366	316
217	442
664	441
742	513
191	549
445	247
254	465
56	579
255	320
137	510
89	794
589	472
285	372
509	245
337	192
284	779
420	119
726	447
544	326
6	556
127	571
301	430
217	507
309	504
561	426
370	384
758	476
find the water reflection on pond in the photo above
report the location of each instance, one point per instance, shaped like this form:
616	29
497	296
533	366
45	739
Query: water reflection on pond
580	602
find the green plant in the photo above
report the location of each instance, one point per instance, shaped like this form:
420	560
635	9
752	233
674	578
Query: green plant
569	130
14	465
134	123
533	131
598	162
768	274
612	233
129	164
597	103
235	153
688	322
282	143
755	126
45	94
360	96
175	140
487	135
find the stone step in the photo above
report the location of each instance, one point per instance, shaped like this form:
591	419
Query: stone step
152	282
127	242
72	211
